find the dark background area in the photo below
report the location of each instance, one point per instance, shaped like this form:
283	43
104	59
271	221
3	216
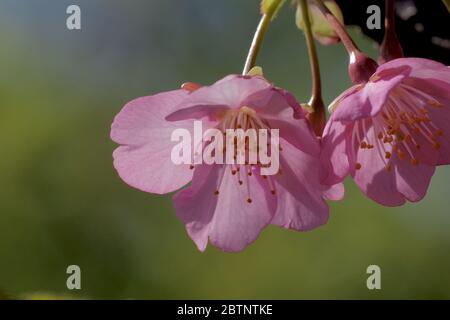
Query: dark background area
423	26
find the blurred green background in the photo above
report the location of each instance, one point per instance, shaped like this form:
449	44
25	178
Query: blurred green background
62	203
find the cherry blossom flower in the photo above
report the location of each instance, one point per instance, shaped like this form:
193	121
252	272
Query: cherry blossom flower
227	204
390	132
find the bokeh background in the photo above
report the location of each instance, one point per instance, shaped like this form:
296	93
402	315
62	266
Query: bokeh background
62	203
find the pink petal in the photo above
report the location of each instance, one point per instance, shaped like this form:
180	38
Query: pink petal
373	178
230	222
348	92
195	205
297	132
420	68
413	181
336	144
212	101
198	112
335	192
414	63
376	182
435	88
271	102
392	181
440	116
238	223
300	194
371	98
233	90
143	160
441	119
280	110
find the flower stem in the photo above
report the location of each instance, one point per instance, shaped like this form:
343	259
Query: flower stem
391	47
256	43
315	105
339	28
269	9
390	14
361	67
316	93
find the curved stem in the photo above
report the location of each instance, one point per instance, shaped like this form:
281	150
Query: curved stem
316	107
390	14
269	10
390	47
256	43
361	67
339	28
316	94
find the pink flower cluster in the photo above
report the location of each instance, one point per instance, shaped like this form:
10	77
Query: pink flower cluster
388	133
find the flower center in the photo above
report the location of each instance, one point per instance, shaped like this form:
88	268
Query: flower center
250	134
401	129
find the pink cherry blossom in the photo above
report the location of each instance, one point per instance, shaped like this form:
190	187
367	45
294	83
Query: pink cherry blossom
391	132
227	204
